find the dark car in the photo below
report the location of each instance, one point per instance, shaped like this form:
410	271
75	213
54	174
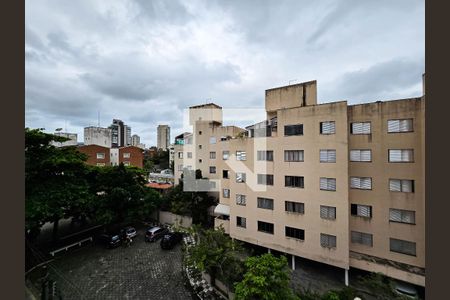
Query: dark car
110	240
154	233
170	239
128	232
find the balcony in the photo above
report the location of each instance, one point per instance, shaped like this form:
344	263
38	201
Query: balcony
266	128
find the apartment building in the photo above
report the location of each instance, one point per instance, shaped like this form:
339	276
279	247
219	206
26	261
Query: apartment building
163	137
105	156
94	135
335	183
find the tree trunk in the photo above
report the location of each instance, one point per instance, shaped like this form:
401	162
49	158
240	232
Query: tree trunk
55	229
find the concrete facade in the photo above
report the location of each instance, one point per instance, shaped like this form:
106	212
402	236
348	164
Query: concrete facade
73	139
163	137
97	136
358	172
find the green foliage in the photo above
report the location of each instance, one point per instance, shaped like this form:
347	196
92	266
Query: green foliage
215	253
58	184
55	184
267	277
381	286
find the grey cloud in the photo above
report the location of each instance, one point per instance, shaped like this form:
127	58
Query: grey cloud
377	82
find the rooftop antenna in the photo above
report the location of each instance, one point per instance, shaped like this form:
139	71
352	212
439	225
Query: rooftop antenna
292	80
65	125
98	119
208	99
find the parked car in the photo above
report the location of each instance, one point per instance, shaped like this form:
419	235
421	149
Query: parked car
154	233
169	240
128	232
110	240
405	289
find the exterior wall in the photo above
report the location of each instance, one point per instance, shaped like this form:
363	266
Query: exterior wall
114	155
166	217
92	150
280	103
291	96
136	158
72	142
97	136
381	170
163	136
135	140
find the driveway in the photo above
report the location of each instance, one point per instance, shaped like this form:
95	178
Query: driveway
141	271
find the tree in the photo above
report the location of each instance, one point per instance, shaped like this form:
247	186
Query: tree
213	252
121	194
55	185
267	277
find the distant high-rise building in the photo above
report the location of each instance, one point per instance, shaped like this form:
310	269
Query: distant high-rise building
97	136
120	134
73	139
163	137
135	140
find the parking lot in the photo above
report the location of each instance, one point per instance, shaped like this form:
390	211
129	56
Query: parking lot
141	271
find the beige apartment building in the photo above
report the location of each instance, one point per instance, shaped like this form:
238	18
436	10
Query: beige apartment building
335	183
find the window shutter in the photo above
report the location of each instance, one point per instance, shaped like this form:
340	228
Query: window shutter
395	155
407	155
407	186
366	155
393	125
366	128
323	183
366	183
354	182
357	127
323	155
395	185
332	184
395	215
355	155
331	155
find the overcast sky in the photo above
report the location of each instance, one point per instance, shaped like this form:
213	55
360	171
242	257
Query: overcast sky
144	61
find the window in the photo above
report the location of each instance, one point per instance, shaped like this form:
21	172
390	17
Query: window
361	210
360	128
293	155
180	167
240	200
225	174
265	155
212	140
189	155
265	179
199	146
401	246
402	216
212	155
126	163
362	238
362	183
327	155
327	240
402	125
180	155
225	155
294	181
127	155
401	155
212	170
241	222
293	130
240	177
295	207
100	164
401	185
328	127
265	203
226	193
328	212
265	227
295	233
199	133
327	184
241	155
361	155
100	155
